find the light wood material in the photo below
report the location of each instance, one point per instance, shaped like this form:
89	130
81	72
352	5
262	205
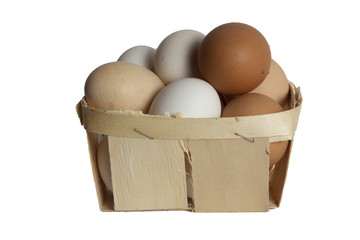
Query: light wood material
230	175
277	127
165	163
149	174
277	177
105	198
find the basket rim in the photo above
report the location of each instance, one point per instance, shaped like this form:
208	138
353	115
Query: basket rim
127	123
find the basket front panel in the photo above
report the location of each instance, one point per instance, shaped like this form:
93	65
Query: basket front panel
230	175
147	174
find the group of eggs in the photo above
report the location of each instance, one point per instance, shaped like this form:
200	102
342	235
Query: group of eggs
228	72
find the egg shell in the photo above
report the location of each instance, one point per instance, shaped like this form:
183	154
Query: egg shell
192	97
251	104
176	56
103	162
140	55
122	85
275	85
235	58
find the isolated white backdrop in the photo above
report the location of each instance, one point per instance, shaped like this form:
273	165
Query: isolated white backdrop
47	50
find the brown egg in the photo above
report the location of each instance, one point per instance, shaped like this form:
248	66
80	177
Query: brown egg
275	85
256	104
235	58
122	85
103	162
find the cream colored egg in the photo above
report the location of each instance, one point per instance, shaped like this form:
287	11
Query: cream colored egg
103	162
122	85
275	85
176	56
140	55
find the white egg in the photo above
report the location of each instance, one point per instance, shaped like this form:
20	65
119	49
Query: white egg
140	55
176	56
192	97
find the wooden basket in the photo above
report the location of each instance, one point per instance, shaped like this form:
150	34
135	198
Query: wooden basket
202	165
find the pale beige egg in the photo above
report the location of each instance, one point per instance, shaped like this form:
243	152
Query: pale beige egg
275	85
122	86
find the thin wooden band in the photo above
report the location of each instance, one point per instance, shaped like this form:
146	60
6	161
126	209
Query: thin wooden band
276	126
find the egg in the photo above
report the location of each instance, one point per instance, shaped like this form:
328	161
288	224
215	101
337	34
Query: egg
235	58
176	56
192	97
122	85
103	162
251	104
275	85
140	55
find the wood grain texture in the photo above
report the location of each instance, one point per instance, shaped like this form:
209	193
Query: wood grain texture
277	176
230	175
160	162
150	174
277	126
105	198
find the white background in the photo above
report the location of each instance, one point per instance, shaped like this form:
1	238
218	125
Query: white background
47	50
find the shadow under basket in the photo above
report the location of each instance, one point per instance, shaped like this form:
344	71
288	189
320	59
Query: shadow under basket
202	165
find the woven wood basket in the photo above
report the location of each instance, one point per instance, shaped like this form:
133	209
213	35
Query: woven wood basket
202	165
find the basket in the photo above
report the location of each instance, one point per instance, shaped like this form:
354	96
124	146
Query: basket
201	165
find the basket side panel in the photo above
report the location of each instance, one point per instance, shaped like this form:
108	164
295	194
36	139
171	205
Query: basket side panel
104	197
147	174
230	175
278	177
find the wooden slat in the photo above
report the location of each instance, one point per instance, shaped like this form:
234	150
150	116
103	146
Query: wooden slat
230	175
104	197
278	176
277	126
147	174
122	124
